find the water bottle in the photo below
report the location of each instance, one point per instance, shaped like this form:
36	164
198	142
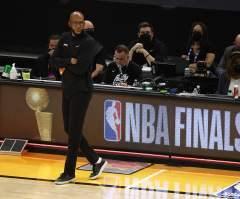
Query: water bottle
135	83
198	89
195	92
187	71
13	72
235	91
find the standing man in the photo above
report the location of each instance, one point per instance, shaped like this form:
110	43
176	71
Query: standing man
99	63
75	53
122	71
146	49
42	66
223	62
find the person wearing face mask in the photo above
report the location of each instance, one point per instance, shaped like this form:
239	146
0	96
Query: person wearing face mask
199	48
99	64
122	70
42	66
223	62
146	49
230	76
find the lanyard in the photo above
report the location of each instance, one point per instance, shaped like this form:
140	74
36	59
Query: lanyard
195	58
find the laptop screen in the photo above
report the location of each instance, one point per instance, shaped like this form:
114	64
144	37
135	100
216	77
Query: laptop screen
166	69
181	64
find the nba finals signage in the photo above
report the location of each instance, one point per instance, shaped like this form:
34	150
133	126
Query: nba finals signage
144	122
191	128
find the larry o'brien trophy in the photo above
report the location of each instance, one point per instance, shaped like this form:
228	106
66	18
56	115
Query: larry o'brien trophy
37	100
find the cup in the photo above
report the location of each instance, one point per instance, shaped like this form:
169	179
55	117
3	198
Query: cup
25	74
6	71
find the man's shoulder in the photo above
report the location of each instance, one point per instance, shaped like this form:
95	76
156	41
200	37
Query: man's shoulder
111	65
98	43
43	57
157	42
229	48
66	34
99	46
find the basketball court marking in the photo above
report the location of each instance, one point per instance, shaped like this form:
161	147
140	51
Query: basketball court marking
134	184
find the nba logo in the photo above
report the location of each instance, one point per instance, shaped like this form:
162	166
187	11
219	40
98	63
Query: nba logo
112	120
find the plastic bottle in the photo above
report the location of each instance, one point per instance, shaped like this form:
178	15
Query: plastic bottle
135	83
198	89
195	92
13	72
235	91
187	72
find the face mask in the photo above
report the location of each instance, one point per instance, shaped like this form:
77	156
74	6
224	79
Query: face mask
237	69
196	36
145	39
90	32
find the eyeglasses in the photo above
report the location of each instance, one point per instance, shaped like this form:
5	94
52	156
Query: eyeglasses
75	23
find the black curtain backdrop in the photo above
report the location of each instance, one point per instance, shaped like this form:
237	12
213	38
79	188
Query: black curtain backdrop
27	24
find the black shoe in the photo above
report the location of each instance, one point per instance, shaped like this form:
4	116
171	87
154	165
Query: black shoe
65	178
97	169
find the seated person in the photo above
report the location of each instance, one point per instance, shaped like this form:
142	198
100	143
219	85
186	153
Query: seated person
42	66
146	49
99	63
230	76
122	70
228	51
199	48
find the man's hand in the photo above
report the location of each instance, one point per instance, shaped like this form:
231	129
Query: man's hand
73	60
142	50
137	46
51	52
193	67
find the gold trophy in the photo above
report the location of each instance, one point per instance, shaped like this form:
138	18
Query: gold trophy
37	100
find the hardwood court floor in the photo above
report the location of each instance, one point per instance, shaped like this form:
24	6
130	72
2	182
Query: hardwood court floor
32	176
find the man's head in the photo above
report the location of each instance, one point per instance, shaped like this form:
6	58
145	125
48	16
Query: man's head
145	33
89	28
122	55
145	27
237	42
76	22
53	41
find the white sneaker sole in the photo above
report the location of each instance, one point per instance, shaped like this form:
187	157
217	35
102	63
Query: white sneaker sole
95	177
65	182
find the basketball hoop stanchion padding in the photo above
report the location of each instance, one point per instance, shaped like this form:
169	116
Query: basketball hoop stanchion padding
13	147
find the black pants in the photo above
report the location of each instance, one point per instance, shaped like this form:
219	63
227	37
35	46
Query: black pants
74	107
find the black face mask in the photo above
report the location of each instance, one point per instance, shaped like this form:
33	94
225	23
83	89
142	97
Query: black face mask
196	36
90	32
237	69
145	39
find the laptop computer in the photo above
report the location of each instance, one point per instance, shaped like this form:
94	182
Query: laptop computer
181	64
166	69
